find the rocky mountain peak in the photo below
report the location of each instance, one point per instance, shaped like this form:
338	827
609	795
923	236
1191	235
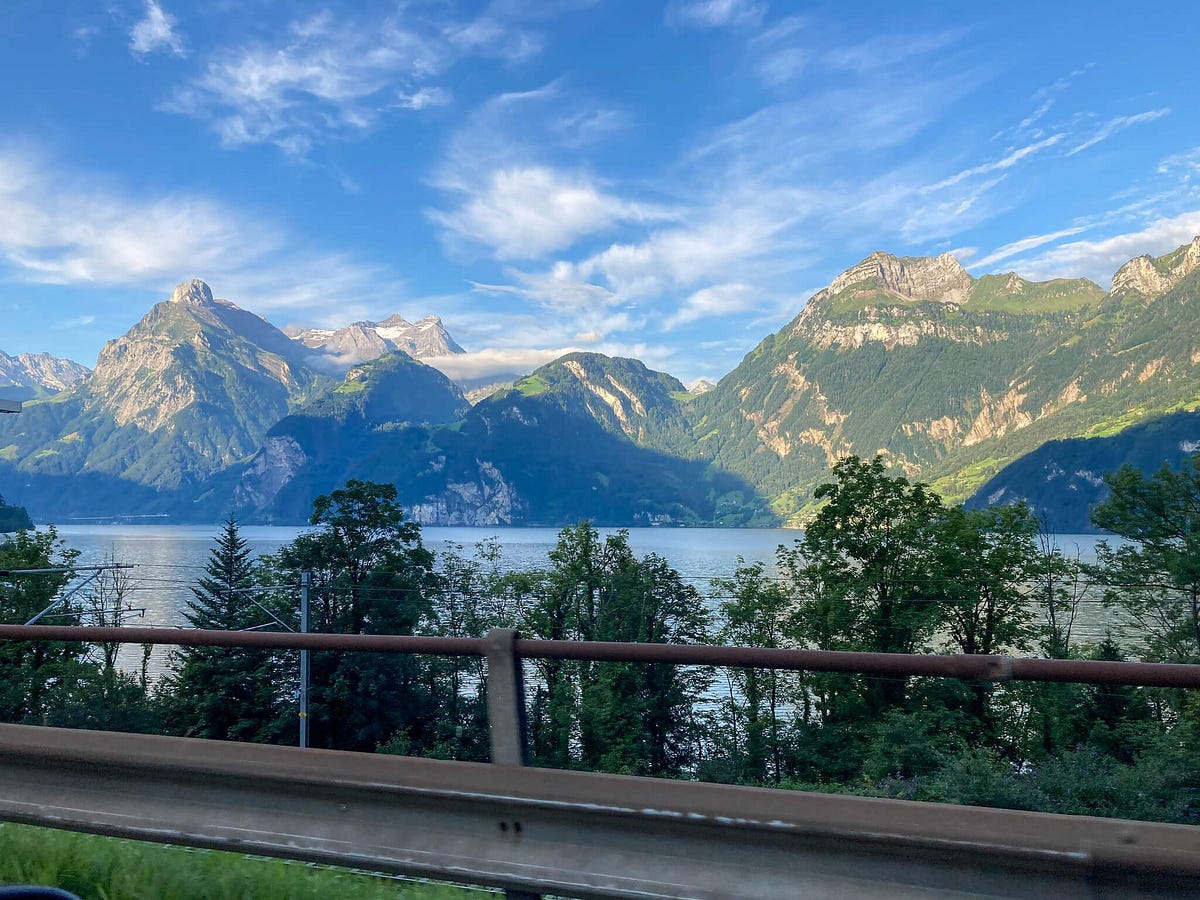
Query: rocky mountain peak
940	278
1150	276
194	291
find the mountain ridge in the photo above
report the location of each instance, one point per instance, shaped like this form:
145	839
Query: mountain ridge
203	407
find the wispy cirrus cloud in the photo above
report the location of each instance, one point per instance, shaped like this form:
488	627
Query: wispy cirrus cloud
1016	248
155	32
334	77
1007	161
326	78
715	13
1099	259
1118	123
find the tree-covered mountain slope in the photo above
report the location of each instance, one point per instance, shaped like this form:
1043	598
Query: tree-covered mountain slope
951	377
1063	479
190	390
576	439
328	436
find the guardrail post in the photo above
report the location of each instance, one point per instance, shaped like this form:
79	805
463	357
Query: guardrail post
506	711
505	698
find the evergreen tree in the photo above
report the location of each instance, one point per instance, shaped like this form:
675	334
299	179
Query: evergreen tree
229	693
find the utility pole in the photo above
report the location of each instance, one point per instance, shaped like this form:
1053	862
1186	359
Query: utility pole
305	581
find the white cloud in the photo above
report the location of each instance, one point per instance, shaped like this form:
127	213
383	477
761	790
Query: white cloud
154	32
424	98
1112	126
1006	162
494	362
716	300
75	322
325	78
62	227
1017	247
524	213
1099	259
715	13
730	235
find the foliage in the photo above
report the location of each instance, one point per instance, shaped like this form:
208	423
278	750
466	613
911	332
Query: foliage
620	717
1155	579
370	575
233	693
36	678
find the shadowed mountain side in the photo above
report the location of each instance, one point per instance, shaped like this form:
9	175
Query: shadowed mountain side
1063	480
544	454
502	473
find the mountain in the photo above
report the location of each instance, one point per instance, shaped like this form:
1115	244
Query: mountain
952	377
1021	388
909	357
361	341
28	376
318	447
189	391
576	439
1062	480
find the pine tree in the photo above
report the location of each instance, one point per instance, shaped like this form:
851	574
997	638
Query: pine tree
228	693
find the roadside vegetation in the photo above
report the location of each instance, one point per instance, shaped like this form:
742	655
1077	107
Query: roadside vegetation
101	868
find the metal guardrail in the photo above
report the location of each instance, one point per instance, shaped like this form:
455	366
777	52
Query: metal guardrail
582	834
573	833
977	667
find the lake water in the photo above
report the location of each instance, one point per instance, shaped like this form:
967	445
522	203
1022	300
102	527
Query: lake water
168	559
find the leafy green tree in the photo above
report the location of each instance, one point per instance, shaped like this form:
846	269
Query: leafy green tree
1155	578
370	575
754	611
863	575
37	677
230	693
619	717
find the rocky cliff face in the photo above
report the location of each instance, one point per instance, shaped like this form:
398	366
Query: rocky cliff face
941	278
948	375
40	370
195	349
1152	277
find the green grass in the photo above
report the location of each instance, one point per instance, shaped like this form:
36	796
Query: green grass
531	386
100	868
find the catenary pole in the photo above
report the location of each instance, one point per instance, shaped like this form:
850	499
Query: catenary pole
305	581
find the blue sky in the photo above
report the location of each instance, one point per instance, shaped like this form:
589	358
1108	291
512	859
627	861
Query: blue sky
667	180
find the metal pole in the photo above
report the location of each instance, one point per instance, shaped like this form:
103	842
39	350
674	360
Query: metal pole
305	580
506	717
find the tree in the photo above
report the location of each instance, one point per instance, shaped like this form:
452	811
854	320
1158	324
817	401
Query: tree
754	611
620	717
863	574
230	693
370	575
1155	578
36	677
